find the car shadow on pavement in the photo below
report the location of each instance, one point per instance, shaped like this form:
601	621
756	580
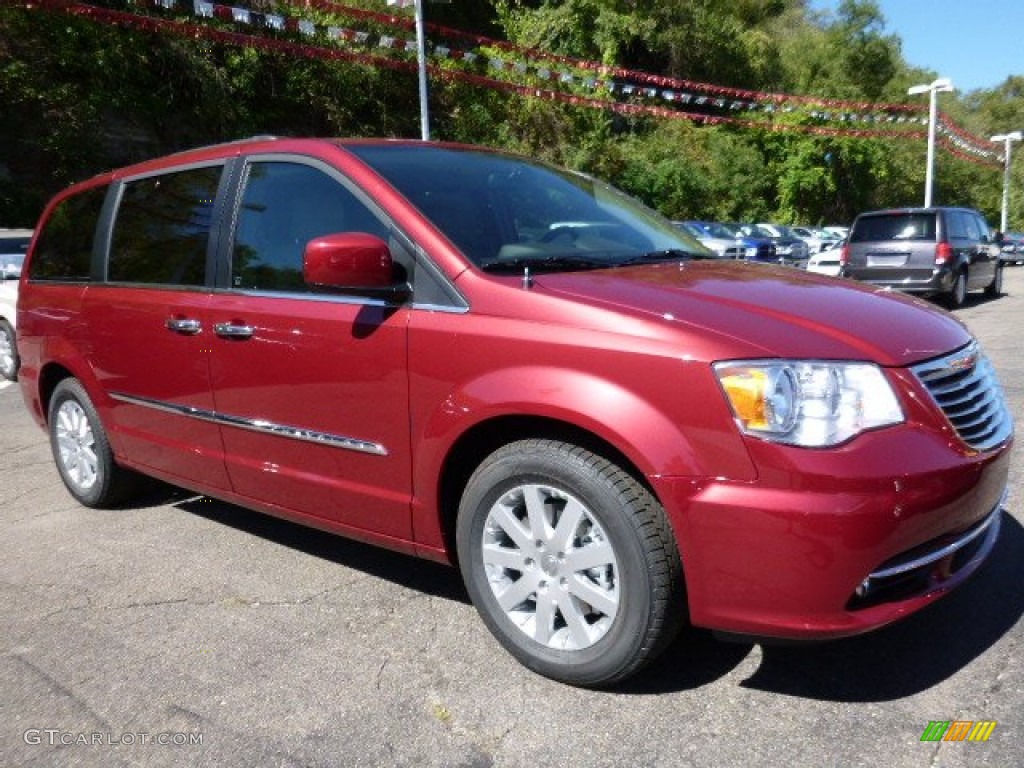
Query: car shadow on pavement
897	661
900	660
434	579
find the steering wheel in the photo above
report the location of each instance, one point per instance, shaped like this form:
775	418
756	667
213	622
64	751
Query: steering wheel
553	234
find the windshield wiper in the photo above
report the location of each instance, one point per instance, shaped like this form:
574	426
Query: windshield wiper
545	264
653	257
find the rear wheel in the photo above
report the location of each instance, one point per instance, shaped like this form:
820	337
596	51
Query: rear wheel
8	352
570	562
958	293
82	451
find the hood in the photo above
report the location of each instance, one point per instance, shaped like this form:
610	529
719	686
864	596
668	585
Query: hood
764	311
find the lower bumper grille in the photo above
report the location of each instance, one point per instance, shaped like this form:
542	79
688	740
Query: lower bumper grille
926	568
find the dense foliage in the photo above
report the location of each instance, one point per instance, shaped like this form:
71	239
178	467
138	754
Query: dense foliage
80	96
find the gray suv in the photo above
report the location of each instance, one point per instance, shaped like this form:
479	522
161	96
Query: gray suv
934	251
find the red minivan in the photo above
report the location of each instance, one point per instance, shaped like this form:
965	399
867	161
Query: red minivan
481	359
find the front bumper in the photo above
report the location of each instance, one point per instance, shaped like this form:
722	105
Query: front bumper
835	543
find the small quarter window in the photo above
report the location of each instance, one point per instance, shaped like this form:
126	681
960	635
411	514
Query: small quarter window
959	225
64	249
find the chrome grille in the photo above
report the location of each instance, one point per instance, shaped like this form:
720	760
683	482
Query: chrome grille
965	387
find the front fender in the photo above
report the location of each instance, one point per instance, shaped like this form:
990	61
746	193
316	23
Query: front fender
692	437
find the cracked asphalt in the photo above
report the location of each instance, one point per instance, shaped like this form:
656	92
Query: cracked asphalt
183	617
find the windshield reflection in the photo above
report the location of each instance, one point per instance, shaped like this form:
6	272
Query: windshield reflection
506	213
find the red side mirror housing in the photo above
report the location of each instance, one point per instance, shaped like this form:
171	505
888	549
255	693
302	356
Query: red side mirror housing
348	260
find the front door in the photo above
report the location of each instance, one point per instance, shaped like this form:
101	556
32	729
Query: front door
311	388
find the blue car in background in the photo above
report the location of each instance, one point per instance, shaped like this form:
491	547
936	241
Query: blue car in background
755	247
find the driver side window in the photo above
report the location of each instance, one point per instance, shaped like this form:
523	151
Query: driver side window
284	206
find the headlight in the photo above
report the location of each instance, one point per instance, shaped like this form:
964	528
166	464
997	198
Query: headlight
808	403
752	253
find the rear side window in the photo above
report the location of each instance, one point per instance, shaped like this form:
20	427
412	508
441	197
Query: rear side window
162	228
64	249
896	226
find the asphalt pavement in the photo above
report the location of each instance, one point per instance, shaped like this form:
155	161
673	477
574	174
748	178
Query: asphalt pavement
185	631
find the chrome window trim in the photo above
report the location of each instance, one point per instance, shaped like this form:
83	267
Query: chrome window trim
441	308
257	425
342	299
334	298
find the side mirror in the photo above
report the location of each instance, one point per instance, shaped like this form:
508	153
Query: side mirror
354	260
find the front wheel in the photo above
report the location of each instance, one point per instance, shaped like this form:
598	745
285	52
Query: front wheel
82	451
995	288
570	562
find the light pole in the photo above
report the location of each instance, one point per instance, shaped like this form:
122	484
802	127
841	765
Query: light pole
942	85
421	61
1008	138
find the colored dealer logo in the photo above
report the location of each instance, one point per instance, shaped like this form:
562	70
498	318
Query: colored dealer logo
958	730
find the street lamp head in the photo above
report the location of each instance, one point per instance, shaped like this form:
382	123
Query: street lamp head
942	85
1015	136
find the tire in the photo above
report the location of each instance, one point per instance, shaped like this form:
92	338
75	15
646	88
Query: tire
82	451
9	361
570	562
995	288
958	293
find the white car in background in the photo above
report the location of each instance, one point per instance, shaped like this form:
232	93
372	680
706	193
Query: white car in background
827	262
815	239
13	246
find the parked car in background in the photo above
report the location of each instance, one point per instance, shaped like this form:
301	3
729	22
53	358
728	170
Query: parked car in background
760	250
827	262
935	251
1012	251
714	237
816	239
841	232
13	246
526	374
789	248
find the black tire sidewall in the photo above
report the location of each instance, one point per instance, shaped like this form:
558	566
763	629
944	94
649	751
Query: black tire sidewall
585	481
958	293
72	390
8	331
996	288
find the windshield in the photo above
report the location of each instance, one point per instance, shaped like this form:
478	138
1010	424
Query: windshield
506	213
719	230
761	230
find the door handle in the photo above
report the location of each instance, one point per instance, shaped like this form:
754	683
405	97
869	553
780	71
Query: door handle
233	330
188	326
